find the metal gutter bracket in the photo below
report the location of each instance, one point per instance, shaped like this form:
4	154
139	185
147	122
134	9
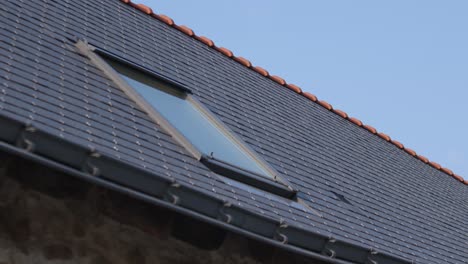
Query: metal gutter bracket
23	142
279	235
225	217
327	250
88	166
170	196
370	260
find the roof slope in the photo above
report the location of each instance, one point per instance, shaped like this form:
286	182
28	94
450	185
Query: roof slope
396	203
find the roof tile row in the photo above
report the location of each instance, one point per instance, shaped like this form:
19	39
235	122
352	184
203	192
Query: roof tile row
184	29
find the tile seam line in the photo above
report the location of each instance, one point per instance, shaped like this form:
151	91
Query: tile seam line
246	63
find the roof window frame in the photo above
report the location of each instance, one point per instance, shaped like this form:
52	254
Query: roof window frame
275	185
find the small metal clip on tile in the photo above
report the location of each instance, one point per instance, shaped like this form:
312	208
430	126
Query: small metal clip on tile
227	218
280	236
170	196
327	250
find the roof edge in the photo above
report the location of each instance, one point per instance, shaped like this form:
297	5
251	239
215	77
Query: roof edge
22	139
246	63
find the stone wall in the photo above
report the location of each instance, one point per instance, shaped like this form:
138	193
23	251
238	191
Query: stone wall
48	217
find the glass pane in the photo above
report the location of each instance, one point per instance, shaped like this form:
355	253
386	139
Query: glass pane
195	126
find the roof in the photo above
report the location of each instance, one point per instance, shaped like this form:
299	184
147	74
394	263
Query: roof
371	194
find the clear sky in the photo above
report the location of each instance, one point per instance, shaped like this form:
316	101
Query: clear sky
400	66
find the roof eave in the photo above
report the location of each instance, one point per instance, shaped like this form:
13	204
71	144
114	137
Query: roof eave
21	139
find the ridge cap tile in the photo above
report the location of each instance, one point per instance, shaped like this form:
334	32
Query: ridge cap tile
164	19
423	159
310	96
355	121
277	79
325	104
188	31
384	136
205	40
243	61
294	87
370	129
145	9
225	51
448	171
398	144
435	165
261	71
341	113
459	178
410	151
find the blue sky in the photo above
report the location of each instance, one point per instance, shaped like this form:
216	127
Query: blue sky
400	66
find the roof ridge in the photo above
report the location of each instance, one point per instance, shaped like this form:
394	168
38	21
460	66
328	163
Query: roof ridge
228	53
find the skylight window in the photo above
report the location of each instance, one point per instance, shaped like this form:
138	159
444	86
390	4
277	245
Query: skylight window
192	125
196	126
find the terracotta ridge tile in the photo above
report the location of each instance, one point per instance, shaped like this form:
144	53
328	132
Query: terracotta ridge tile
458	177
423	159
310	96
370	129
147	10
225	51
188	31
325	104
410	151
261	71
294	87
355	121
278	79
132	4
243	61
435	165
164	19
384	136
340	113
448	171
398	144
205	40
